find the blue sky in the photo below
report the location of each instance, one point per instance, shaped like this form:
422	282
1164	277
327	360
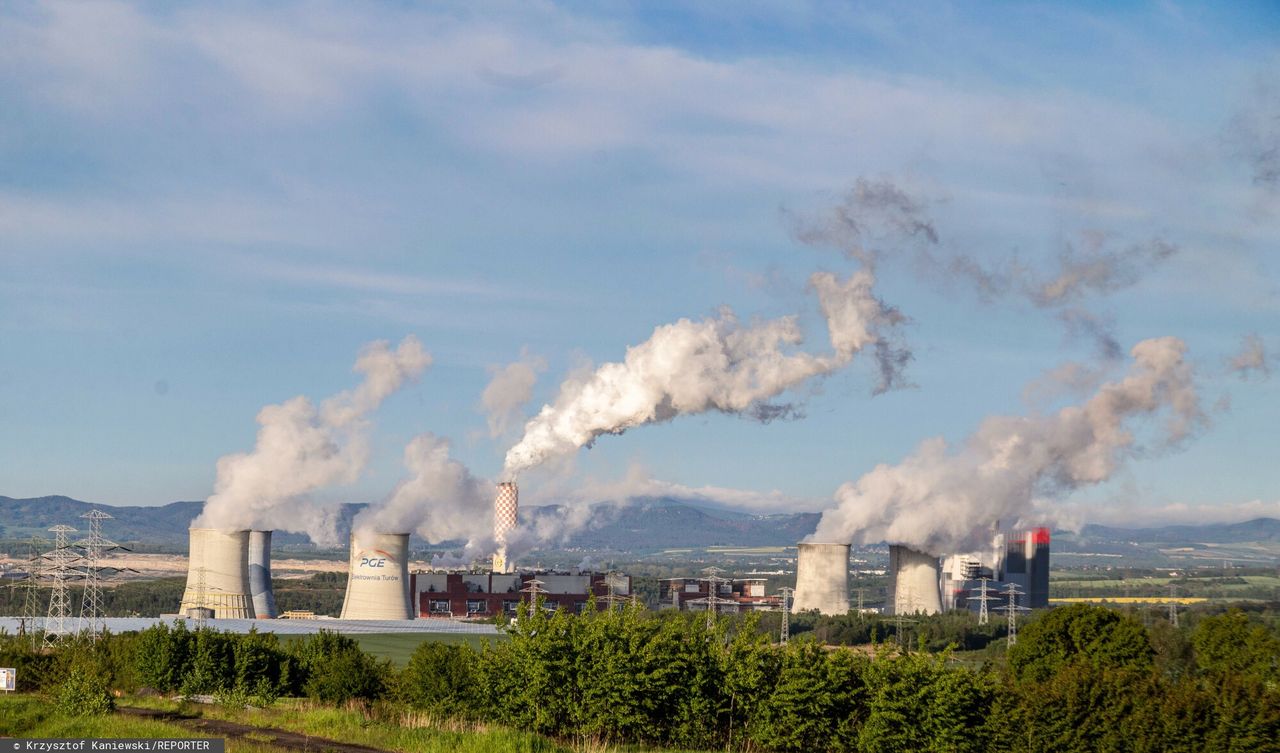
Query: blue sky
208	208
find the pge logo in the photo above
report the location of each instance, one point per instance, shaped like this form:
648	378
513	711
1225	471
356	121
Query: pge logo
373	562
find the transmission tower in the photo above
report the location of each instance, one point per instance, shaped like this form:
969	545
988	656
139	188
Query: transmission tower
1011	609
59	570
1173	605
94	548
785	632
860	612
534	589
713	601
30	624
983	598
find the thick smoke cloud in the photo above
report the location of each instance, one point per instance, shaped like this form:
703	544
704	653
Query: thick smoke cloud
937	498
440	500
1251	360
717	364
879	220
301	448
1253	134
508	391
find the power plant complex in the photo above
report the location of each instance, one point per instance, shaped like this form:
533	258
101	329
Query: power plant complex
920	583
229	577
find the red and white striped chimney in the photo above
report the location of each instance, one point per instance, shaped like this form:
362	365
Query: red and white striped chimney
505	509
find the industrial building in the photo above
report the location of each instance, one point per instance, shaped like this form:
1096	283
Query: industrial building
475	595
1020	558
731	594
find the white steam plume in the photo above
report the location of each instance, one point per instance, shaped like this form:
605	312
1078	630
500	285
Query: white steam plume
440	500
301	449
879	220
938	500
509	390
715	364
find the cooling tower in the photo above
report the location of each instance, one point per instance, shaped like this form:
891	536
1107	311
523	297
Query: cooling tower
218	574
505	510
822	579
914	581
378	585
264	599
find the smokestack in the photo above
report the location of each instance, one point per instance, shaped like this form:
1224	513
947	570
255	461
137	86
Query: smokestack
264	599
218	574
914	581
505	509
378	585
822	579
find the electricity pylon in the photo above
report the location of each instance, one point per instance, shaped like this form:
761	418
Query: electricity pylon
59	571
785	633
1011	609
983	598
94	547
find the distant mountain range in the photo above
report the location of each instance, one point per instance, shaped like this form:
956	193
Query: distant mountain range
643	525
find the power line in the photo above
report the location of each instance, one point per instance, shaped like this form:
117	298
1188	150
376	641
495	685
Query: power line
1173	605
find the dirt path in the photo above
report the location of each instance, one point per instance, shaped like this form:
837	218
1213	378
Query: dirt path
269	735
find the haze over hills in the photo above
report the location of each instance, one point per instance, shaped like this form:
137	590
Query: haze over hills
655	524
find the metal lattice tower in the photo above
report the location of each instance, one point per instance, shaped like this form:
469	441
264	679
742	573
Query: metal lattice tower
713	600
1173	605
1011	609
983	597
30	623
785	633
860	612
60	559
94	547
534	589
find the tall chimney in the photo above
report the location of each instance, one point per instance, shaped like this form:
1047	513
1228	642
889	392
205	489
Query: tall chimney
914	581
264	599
822	579
218	574
505	510
378	585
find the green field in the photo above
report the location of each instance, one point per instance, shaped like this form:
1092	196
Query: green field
398	647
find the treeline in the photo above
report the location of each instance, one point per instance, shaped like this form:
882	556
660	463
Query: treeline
1080	678
321	593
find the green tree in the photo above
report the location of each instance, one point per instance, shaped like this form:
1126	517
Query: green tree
801	712
1097	636
1229	644
440	677
84	692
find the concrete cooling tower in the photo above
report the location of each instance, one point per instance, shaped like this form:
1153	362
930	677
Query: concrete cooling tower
822	579
218	574
264	599
914	581
505	514
378	586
